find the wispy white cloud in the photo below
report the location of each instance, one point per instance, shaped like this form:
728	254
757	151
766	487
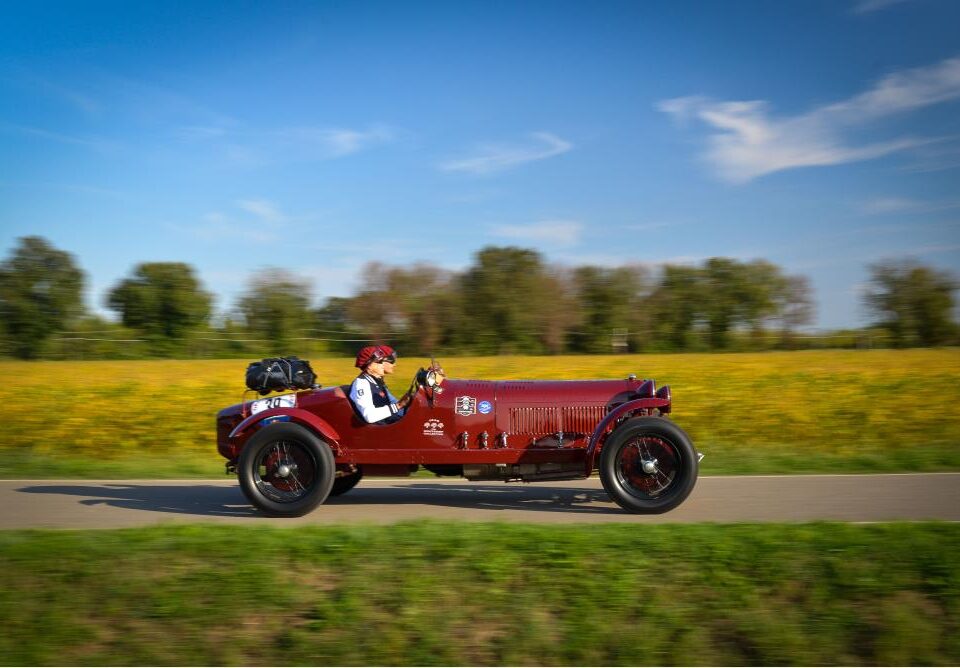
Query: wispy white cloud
548	232
248	146
928	249
219	227
240	142
152	103
192	122
889	205
199	132
257	221
263	209
870	6
882	205
935	157
78	188
75	98
876	253
647	227
748	141
326	142
491	158
40	84
94	143
472	196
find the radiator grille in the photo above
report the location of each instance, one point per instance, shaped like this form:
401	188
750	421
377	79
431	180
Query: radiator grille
570	419
582	419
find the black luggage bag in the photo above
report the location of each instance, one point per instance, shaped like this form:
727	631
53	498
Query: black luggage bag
274	374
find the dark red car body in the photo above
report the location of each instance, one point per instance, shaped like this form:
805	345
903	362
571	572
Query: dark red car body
530	422
482	430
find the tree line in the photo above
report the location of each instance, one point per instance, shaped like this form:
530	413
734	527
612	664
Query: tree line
508	301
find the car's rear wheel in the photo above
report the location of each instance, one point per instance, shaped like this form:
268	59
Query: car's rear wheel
345	483
286	470
648	465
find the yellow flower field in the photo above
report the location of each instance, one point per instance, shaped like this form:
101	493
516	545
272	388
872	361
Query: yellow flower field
764	412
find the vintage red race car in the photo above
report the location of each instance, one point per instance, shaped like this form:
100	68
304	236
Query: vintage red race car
292	451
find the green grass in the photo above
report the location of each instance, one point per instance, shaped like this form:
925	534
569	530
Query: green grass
437	594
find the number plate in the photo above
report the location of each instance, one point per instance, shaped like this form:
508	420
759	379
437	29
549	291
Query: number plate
282	401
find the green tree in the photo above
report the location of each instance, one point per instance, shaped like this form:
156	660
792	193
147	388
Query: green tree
506	296
723	298
332	321
560	312
740	295
608	301
794	307
40	290
164	300
414	309
276	306
912	302
762	291
676	306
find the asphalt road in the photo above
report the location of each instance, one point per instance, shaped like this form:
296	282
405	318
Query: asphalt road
82	504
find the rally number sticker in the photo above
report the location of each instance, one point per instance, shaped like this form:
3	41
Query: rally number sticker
282	401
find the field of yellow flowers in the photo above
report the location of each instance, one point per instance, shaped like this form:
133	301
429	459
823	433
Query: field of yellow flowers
827	411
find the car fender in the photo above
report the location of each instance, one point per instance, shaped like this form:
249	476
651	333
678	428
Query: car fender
297	415
611	418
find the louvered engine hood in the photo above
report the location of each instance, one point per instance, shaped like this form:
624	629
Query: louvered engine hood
547	392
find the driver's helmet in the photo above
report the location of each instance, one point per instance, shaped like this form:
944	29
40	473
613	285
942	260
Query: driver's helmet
391	354
369	354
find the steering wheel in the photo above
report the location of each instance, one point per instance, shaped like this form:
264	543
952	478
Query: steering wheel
430	379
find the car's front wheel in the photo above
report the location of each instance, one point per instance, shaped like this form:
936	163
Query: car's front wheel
648	465
285	470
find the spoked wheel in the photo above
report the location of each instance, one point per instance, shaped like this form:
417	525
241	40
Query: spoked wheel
344	483
648	465
285	470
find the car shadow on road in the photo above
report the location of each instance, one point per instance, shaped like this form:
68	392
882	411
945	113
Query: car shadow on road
200	500
535	497
220	501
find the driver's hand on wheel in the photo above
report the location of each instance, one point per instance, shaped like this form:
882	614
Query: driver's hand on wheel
405	400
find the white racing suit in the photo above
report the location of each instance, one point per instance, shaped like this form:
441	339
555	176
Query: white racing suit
373	400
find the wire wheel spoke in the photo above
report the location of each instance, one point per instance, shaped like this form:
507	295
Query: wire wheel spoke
648	467
285	471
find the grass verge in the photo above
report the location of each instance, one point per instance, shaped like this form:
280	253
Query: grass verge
431	593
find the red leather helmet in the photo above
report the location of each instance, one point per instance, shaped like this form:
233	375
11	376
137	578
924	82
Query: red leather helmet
391	354
369	354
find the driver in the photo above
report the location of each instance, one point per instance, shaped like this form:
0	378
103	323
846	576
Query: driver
369	393
390	361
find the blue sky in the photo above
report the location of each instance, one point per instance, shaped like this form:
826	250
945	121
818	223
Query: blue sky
320	136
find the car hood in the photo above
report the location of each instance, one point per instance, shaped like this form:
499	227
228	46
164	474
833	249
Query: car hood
547	392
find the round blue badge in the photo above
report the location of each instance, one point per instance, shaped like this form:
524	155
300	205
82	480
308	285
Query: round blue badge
484	407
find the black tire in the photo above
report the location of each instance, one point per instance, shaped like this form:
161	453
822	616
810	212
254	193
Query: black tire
345	483
295	490
635	444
